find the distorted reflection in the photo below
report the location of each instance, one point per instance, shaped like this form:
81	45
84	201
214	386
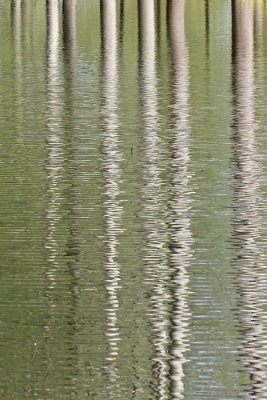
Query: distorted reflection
122	7
258	18
154	202
16	14
112	176
54	144
54	167
118	199
16	24
27	23
207	27
71	164
73	252
69	31
69	40
180	200
247	223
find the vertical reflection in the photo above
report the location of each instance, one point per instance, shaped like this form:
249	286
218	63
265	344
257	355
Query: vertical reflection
122	6
16	25
26	8
69	42
112	176
207	26
258	19
154	200
158	20
69	32
181	238
54	163
69	46
16	15
246	218
73	245
53	167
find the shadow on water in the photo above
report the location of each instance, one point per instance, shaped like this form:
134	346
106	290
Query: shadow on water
247	223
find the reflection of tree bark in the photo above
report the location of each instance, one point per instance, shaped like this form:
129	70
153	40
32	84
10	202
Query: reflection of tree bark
180	196
246	219
61	231
69	40
69	33
54	140
16	20
258	20
207	27
122	6
54	166
112	176
158	20
16	16
26	10
73	245
154	211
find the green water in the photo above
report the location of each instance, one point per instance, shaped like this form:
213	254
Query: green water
133	199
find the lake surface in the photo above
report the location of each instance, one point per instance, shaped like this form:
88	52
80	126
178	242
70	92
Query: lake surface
133	199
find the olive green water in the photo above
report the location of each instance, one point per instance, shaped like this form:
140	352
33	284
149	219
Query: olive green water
133	199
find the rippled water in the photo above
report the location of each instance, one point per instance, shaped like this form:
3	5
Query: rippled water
133	199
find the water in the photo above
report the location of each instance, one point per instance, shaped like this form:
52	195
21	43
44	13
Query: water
133	199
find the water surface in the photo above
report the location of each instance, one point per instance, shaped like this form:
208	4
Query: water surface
133	199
